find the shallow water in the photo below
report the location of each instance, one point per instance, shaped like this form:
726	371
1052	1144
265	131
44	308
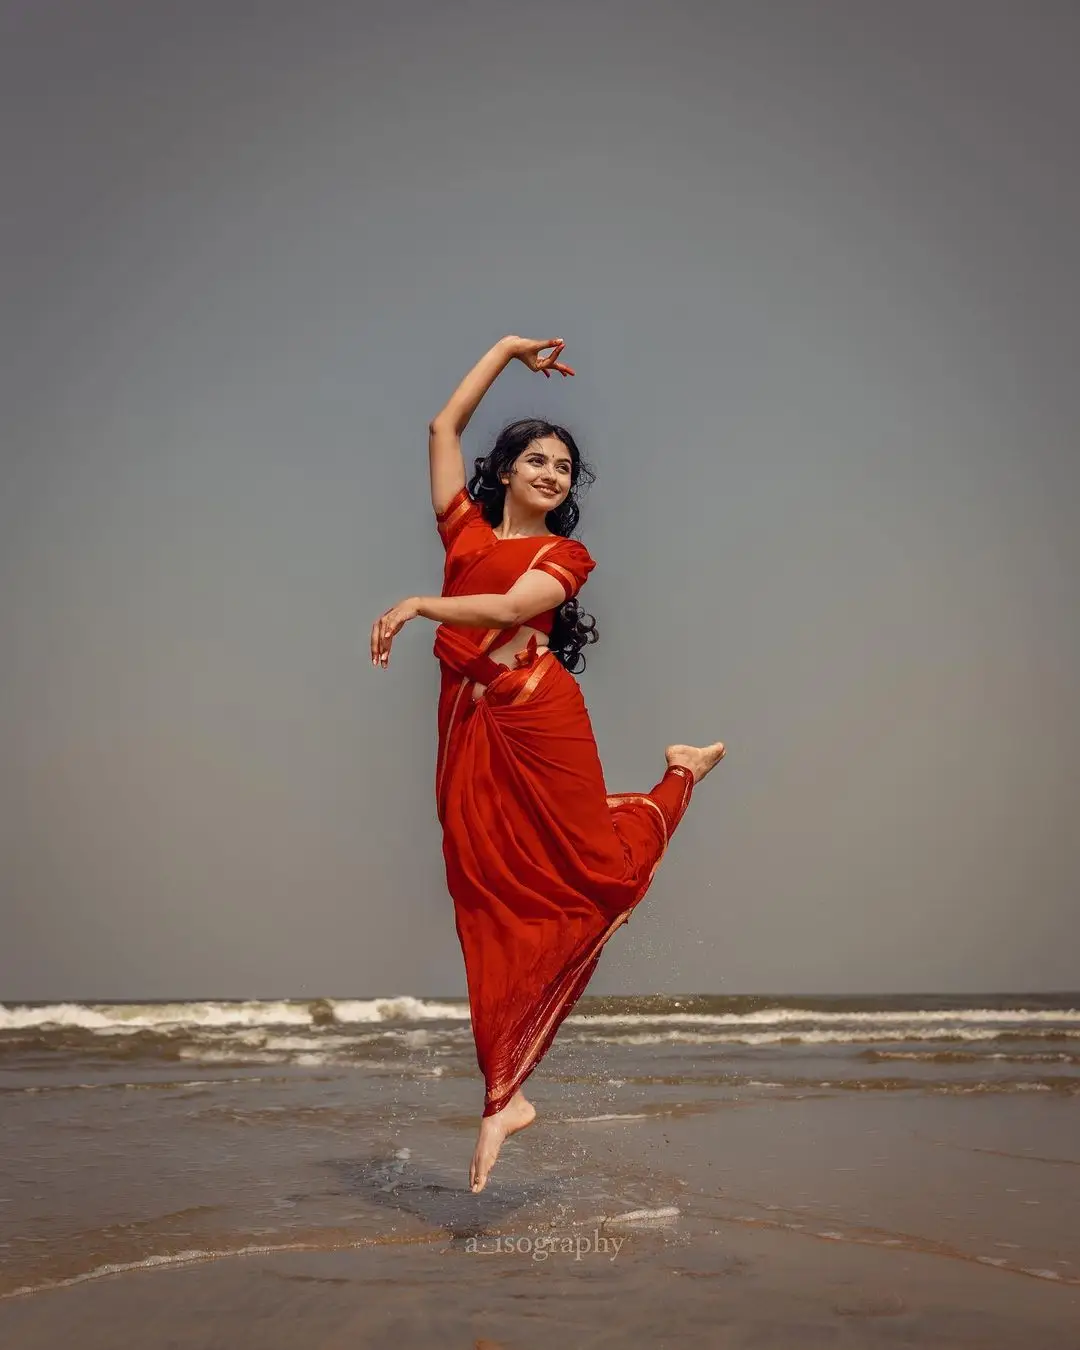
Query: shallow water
944	1142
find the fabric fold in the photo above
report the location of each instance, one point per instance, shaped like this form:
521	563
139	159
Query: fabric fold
542	863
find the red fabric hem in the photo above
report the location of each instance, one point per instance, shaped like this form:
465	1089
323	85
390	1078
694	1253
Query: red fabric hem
455	501
575	985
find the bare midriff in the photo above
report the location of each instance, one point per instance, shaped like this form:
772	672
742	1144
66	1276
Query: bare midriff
505	654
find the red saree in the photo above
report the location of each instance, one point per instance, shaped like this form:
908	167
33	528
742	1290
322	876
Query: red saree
543	864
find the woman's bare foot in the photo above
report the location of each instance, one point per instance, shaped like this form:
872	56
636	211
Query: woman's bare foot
515	1115
699	759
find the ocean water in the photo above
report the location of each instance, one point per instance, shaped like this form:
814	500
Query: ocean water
993	1042
157	1135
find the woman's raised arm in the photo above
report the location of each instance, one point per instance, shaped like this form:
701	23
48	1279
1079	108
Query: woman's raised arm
445	460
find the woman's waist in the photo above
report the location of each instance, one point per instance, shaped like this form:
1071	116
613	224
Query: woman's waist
520	646
481	656
506	639
536	673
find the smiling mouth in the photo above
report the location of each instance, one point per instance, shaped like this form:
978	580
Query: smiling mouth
548	492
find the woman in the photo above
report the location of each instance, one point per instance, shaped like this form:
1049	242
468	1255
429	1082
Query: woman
542	863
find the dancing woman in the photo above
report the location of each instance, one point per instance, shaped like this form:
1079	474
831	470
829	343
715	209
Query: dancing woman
543	864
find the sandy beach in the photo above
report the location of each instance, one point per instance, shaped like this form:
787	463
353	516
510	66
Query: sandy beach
714	1191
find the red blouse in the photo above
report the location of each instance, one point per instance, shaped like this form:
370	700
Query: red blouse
480	563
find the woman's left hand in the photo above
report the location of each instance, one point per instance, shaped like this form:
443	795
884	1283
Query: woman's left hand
387	626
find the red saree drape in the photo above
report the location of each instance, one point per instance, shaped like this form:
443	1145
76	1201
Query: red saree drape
542	863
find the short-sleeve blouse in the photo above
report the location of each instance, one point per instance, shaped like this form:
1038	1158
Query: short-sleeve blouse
479	562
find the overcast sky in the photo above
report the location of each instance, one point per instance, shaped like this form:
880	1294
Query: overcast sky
817	268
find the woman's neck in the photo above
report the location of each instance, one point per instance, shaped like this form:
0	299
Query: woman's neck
518	526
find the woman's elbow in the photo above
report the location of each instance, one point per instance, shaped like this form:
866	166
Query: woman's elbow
507	613
516	614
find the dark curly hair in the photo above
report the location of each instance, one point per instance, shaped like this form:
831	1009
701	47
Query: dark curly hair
573	628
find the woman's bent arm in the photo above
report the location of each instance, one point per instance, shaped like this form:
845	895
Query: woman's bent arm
445	459
532	594
444	430
467	611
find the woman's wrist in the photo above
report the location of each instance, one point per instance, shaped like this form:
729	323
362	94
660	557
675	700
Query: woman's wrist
428	607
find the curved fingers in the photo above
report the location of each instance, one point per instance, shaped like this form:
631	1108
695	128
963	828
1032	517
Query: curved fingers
382	634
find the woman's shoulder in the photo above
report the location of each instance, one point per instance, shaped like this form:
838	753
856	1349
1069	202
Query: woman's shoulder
561	547
460	516
567	559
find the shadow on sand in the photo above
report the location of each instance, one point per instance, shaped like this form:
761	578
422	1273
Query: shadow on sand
427	1195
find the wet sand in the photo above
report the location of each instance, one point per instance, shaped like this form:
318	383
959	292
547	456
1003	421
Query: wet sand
737	1288
764	1218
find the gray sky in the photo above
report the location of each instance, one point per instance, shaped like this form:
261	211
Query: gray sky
817	268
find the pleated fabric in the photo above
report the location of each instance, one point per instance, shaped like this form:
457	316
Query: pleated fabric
543	864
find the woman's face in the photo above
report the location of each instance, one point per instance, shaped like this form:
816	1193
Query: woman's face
539	479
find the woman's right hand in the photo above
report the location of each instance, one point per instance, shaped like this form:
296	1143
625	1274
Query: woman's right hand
527	350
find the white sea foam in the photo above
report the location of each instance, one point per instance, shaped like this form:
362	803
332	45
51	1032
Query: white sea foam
585	1120
403	1008
192	1256
836	1036
326	1019
813	1017
119	1017
205	1054
643	1218
260	1040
